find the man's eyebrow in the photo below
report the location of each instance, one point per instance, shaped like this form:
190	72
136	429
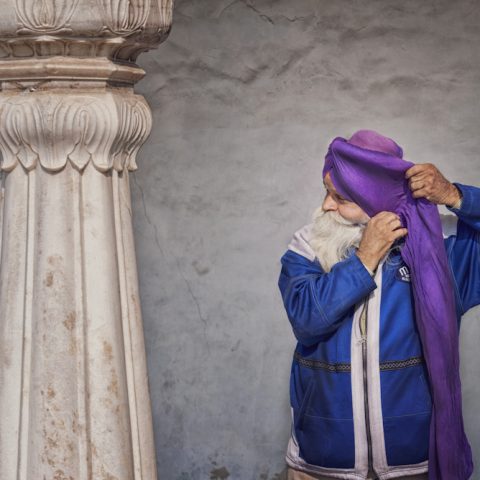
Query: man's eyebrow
326	187
337	194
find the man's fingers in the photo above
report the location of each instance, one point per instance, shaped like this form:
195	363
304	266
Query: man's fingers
420	175
420	193
386	212
395	223
415	182
417	169
414	170
415	185
387	217
394	220
400	232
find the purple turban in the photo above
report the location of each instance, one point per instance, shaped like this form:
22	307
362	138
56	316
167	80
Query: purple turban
368	169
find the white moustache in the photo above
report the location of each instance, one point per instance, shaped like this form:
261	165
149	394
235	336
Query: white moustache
334	237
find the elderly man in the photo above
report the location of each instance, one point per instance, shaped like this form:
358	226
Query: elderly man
361	393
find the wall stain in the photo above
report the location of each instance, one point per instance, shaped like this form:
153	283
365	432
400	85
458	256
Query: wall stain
107	351
276	476
54	259
50	392
106	475
199	269
113	386
219	474
280	476
60	475
49	279
235	347
69	322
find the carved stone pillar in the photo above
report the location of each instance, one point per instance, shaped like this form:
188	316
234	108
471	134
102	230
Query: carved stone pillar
74	402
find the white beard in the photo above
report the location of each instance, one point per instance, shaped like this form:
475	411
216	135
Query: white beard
333	236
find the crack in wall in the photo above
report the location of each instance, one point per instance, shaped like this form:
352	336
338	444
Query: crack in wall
177	263
266	18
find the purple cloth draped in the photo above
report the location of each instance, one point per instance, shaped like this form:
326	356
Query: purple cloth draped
369	170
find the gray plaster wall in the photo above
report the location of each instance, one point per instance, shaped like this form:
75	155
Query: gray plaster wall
246	96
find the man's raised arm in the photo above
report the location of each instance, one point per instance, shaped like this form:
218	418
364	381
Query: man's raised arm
315	301
463	249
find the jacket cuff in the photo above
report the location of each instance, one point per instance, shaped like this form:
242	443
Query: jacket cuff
369	271
470	205
364	273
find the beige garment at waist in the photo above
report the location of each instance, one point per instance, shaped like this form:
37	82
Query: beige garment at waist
297	475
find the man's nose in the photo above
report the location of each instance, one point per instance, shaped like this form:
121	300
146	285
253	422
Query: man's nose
329	203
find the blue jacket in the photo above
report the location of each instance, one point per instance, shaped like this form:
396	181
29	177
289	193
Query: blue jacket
363	402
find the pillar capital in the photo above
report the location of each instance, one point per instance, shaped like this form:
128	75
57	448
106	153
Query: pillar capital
55	126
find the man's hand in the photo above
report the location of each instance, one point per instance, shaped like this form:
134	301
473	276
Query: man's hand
379	234
425	180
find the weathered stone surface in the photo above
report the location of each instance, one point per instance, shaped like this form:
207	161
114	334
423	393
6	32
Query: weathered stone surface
74	398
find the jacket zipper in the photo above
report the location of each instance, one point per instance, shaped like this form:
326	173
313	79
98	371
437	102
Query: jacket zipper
365	387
